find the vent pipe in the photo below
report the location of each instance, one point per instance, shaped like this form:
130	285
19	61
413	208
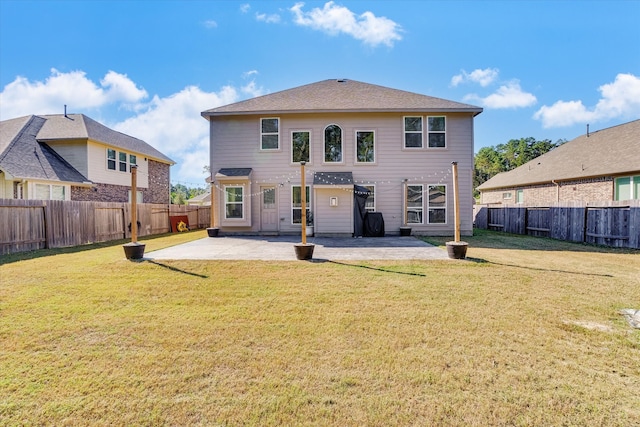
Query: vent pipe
587	130
65	110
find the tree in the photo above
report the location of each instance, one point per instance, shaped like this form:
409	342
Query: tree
490	161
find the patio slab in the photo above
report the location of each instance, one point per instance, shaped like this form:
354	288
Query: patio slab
280	248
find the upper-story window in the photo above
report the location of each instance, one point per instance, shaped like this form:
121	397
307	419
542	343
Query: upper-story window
365	146
300	146
117	160
333	144
270	133
437	131
413	132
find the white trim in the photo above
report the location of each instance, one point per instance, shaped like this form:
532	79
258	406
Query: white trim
405	131
444	132
291	144
356	161
324	145
261	148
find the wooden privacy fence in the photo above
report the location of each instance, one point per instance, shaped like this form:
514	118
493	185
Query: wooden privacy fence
612	224
27	225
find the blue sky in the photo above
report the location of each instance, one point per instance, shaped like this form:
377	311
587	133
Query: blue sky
541	69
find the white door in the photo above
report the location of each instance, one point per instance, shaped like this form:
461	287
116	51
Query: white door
268	209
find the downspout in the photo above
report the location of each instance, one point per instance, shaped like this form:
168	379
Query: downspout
553	181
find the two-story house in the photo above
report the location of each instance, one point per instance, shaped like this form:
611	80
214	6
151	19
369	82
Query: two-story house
394	146
73	157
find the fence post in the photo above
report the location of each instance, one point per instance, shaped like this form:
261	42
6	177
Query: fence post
634	227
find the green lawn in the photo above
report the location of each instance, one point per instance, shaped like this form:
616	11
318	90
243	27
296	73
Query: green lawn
525	332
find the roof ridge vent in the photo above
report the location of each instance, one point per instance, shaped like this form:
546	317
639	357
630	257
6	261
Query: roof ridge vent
341	80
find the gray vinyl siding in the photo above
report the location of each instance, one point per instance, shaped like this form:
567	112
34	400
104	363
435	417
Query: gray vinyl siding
235	143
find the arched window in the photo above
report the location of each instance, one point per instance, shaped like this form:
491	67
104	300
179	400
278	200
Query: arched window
333	144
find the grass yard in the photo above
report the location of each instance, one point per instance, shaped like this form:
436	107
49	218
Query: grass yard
526	332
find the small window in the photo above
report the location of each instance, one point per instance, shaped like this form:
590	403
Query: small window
520	197
122	161
437	204
333	144
50	192
296	204
413	132
132	161
269	134
437	132
234	202
300	146
414	204
506	196
627	188
139	197
111	159
365	146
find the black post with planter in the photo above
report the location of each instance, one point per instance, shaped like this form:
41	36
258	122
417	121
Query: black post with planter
456	249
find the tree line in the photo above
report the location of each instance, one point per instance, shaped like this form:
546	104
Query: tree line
490	161
181	193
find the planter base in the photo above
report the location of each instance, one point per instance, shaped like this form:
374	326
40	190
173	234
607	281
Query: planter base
304	252
213	231
457	250
134	250
405	231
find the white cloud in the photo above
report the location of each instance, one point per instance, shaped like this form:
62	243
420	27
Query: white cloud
483	77
174	126
269	19
210	23
509	95
244	8
333	19
22	96
620	99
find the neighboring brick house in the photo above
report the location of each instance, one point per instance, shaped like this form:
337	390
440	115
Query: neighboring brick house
358	140
595	167
73	157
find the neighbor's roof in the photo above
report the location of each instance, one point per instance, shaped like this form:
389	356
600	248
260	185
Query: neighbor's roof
24	157
341	96
611	151
79	126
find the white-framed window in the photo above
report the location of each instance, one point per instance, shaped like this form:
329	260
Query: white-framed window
412	132
365	146
520	197
270	133
627	188
296	203
300	146
436	131
437	204
234	202
370	204
50	192
111	159
333	144
117	160
415	207
506	196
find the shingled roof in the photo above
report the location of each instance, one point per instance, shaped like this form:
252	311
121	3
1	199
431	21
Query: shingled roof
24	157
607	152
79	126
341	96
